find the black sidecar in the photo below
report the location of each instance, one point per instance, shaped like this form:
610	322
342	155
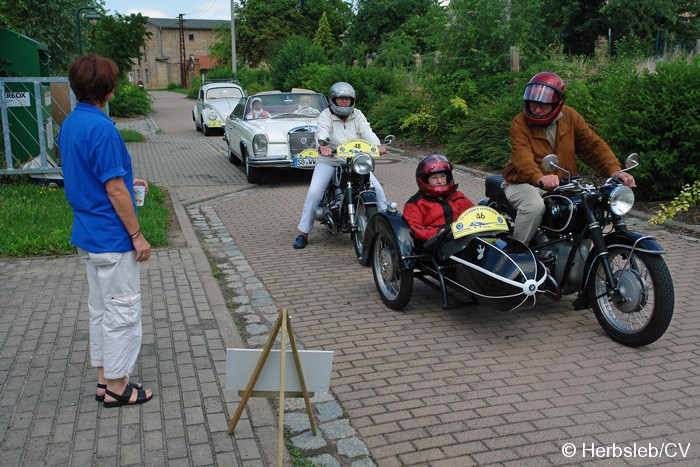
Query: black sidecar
477	257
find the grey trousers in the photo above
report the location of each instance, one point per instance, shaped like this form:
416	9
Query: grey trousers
527	199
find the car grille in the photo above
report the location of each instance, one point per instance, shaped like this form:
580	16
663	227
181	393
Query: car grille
301	138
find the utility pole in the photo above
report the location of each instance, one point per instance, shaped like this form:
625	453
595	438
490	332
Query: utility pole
233	37
183	60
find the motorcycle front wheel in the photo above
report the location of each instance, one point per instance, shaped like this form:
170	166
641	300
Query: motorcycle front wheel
394	284
363	213
642	311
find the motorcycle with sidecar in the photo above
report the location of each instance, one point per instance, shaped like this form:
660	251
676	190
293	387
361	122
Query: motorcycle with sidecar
583	246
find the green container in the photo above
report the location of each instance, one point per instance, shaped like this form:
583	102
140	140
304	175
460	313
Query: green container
21	56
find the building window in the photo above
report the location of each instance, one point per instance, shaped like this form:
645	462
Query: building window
131	76
146	75
191	37
138	75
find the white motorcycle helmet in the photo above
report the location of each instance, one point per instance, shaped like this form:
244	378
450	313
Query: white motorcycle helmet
342	89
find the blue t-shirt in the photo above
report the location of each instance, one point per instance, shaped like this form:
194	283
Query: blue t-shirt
93	152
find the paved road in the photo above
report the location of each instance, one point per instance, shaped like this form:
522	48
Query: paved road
468	386
421	387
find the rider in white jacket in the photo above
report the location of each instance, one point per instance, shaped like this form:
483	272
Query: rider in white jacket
337	124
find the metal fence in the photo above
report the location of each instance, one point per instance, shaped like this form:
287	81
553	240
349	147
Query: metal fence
33	110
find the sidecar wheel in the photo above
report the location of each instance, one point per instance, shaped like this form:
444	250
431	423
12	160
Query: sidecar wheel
394	284
643	310
364	212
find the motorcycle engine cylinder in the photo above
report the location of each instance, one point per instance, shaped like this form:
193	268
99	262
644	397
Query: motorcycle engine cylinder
577	266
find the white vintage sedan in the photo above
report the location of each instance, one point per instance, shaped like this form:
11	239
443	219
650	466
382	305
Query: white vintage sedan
216	99
274	129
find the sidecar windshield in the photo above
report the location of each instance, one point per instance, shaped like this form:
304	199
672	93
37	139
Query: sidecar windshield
478	219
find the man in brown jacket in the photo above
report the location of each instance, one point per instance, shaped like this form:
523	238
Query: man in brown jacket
546	126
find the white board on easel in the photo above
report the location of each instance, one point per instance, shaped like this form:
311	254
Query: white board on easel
316	366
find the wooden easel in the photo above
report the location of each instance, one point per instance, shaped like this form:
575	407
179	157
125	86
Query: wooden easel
282	325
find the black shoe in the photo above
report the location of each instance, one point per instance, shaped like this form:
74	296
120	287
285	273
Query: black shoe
300	242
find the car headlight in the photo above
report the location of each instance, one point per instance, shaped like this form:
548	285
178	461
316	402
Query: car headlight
212	116
362	164
260	145
621	200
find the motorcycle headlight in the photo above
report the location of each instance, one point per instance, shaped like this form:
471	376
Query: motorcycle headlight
621	200
260	145
362	164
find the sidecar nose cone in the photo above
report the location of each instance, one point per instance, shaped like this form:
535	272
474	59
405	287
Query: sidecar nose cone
530	287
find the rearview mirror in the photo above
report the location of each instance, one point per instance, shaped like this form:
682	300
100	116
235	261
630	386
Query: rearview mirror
632	160
550	162
389	139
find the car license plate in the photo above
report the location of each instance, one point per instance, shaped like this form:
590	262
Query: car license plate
304	161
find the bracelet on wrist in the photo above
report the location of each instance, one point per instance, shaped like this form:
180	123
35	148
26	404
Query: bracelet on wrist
135	234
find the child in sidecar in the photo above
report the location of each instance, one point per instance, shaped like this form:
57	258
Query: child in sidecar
437	203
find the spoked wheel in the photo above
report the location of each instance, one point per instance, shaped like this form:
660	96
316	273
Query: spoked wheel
394	284
642	311
363	213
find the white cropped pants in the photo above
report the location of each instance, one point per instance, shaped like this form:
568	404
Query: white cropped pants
114	303
323	173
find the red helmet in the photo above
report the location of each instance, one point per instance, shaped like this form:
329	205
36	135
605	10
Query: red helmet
546	88
435	163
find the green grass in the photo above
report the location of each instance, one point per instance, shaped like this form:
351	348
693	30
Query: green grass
132	136
37	220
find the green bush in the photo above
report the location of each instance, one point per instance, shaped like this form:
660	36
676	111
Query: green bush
129	100
391	110
656	116
483	139
194	88
296	52
255	80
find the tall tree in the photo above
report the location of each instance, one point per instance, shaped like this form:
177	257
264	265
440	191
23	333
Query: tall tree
378	17
323	36
52	23
132	33
674	20
263	25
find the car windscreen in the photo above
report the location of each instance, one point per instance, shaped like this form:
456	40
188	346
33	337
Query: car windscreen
224	93
288	105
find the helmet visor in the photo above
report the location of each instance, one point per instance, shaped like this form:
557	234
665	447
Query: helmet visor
542	93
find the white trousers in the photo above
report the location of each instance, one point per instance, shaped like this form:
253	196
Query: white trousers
323	173
527	199
114	303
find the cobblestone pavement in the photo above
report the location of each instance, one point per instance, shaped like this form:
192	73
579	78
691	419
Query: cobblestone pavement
425	386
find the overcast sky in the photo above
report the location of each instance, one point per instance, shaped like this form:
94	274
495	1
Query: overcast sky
192	9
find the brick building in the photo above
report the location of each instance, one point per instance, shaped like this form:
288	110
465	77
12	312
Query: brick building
161	63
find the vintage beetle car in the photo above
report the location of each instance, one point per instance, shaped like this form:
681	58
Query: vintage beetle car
216	99
286	129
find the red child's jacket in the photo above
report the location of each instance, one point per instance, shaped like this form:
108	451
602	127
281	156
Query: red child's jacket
426	216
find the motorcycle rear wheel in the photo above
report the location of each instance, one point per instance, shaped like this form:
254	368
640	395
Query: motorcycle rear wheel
394	284
362	216
642	312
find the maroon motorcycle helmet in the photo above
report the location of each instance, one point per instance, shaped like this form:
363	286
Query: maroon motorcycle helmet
435	163
544	88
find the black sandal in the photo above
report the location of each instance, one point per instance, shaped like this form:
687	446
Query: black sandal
101	398
124	398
